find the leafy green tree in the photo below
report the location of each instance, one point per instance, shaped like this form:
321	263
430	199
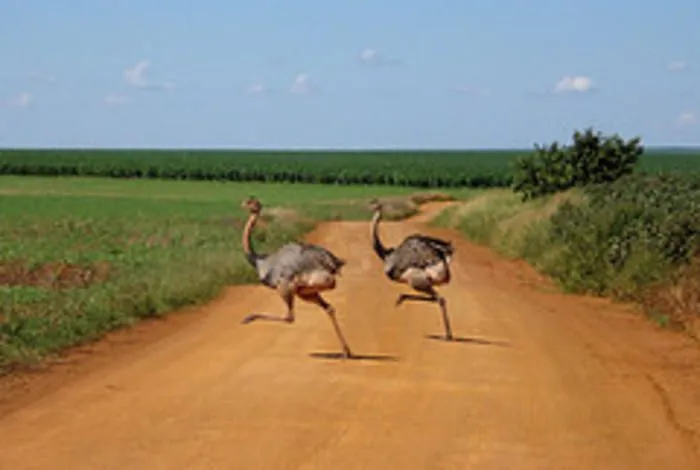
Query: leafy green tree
591	159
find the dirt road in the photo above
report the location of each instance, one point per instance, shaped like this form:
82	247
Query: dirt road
539	380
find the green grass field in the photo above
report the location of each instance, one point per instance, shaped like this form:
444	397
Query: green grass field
81	256
426	169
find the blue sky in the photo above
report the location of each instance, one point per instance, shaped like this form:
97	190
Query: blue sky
360	74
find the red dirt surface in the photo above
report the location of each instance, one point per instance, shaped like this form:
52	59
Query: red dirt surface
538	380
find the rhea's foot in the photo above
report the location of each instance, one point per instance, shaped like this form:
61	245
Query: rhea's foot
261	316
347	354
250	318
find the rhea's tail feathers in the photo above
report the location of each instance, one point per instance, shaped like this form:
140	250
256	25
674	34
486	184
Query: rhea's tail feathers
340	263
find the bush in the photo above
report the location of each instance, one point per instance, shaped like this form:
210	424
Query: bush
627	234
636	238
592	159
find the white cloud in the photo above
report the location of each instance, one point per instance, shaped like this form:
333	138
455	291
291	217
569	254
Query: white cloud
577	84
373	57
677	66
369	56
22	100
136	77
301	85
114	99
257	89
168	85
687	118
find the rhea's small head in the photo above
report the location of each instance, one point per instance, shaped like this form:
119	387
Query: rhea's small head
252	205
375	205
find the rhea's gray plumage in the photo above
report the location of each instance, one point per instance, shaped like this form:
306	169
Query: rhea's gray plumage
420	261
297	269
294	259
416	251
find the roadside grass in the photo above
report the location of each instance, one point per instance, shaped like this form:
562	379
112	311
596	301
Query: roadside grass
603	251
498	219
82	256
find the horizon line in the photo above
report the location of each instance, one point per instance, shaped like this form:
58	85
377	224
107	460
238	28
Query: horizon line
681	147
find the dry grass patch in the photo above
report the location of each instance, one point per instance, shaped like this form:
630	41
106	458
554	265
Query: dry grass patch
677	302
530	214
433	196
402	207
499	219
54	275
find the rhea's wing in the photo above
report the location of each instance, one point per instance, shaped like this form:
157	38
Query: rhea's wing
296	258
321	257
413	252
443	246
282	264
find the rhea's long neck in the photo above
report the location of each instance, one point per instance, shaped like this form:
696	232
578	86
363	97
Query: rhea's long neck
248	249
377	245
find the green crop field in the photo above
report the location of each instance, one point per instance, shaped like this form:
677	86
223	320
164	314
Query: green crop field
418	169
80	256
427	169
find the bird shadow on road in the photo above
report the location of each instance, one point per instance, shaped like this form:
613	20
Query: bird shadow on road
354	357
462	339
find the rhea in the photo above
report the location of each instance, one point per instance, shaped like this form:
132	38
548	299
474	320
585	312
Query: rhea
420	261
297	269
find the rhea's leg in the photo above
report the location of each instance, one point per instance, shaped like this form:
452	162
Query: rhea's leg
421	284
287	295
321	302
445	318
419	281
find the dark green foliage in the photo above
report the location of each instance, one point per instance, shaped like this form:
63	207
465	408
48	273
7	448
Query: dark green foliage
397	168
423	169
592	158
627	233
